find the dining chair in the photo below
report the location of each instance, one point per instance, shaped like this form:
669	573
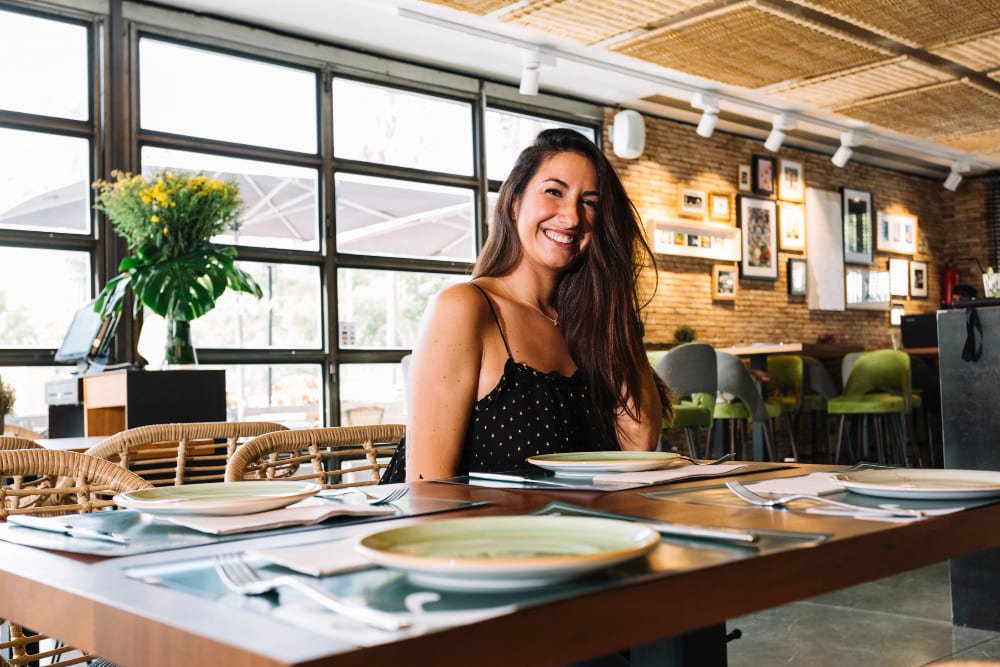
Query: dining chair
877	393
20	431
90	484
786	389
690	371
337	456
741	404
171	454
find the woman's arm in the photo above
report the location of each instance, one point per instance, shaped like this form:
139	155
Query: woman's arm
644	432
442	383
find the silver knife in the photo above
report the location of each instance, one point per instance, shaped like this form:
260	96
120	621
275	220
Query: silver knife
662	527
49	524
499	477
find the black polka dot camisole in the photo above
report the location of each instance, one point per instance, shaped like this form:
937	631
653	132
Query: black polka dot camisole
527	413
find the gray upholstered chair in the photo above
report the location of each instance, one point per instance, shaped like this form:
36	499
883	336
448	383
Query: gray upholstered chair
690	371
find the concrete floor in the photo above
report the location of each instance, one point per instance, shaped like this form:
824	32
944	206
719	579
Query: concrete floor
900	621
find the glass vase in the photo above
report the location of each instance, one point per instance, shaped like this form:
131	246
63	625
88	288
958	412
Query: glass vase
179	350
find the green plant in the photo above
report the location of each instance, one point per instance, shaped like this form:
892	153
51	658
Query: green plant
7	397
684	334
168	221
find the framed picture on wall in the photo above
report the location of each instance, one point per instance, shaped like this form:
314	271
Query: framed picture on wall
758	220
764	175
918	279
867	288
856	208
797	277
718	207
896	312
792	225
693	203
791	185
899	277
743	178
725	282
896	232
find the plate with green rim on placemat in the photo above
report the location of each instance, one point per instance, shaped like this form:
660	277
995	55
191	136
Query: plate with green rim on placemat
217	498
506	552
588	464
922	483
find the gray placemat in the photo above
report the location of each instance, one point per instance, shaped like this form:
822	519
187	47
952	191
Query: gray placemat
147	534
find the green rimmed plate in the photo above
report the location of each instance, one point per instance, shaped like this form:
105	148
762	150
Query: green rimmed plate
588	464
217	498
924	484
506	552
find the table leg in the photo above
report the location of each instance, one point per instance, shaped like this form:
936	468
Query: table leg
702	648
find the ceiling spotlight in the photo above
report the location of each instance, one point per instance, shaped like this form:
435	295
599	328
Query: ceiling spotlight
955	176
848	140
780	123
709	105
531	67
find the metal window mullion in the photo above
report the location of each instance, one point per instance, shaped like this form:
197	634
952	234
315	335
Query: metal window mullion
361	168
482	192
328	213
227	148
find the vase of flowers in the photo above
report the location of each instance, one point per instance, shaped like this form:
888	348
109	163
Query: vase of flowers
168	220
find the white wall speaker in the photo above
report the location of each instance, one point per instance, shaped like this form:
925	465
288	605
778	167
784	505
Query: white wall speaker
628	134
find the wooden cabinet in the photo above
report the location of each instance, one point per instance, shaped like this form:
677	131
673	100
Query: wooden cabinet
118	400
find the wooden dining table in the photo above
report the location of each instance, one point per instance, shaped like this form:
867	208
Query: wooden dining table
90	601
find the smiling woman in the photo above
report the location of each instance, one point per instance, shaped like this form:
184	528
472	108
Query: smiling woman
514	364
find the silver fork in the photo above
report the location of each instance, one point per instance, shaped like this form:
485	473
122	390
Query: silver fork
755	498
721	459
239	577
389	498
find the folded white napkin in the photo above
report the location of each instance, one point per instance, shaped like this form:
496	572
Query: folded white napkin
668	475
317	560
813	484
300	514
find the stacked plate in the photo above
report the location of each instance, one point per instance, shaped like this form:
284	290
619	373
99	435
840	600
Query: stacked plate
589	464
920	483
217	498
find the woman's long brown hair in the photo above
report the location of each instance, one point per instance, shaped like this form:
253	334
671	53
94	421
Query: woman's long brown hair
597	298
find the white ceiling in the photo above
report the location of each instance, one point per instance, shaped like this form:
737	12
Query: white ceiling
430	34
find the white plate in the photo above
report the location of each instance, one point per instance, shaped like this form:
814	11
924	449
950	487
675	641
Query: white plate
217	498
588	464
497	553
927	484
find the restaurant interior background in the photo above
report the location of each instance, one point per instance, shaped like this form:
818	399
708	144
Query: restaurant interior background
368	160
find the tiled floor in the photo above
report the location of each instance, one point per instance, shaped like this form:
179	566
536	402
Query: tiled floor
901	621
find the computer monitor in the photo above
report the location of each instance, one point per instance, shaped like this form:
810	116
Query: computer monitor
88	338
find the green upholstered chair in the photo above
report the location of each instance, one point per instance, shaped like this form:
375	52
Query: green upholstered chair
878	391
818	388
690	371
741	404
786	376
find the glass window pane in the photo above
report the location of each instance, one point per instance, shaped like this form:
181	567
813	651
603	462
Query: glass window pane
30	408
508	133
44	182
382	309
290	394
280	202
380	216
288	317
40	290
371	394
202	93
389	126
43	66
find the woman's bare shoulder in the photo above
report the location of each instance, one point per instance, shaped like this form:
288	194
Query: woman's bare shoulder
461	299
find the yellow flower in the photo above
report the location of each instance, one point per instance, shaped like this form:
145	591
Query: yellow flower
155	218
166	230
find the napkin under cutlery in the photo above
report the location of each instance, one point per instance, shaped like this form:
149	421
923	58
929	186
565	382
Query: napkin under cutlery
813	484
318	559
668	475
300	514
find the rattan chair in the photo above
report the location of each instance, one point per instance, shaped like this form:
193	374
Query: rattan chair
324	455
170	454
90	484
20	431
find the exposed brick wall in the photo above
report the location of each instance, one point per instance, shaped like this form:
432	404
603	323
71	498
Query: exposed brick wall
952	224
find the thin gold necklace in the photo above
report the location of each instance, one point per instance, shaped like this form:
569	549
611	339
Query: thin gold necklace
554	320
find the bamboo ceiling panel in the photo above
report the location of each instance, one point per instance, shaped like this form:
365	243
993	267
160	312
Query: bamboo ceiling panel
745	44
918	22
858	83
474	6
590	21
944	110
987	143
980	53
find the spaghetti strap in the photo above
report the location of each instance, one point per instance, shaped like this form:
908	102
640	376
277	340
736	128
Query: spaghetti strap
495	318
